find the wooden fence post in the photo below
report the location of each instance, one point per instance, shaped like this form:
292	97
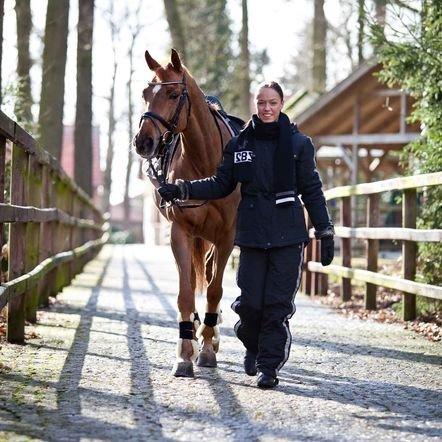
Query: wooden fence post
75	237
314	275
2	190
372	250
307	283
62	235
47	234
15	332
346	247
323	284
33	198
409	252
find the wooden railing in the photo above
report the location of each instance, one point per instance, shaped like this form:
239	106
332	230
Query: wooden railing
315	277
54	228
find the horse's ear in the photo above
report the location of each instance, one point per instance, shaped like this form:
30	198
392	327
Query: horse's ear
175	59
151	62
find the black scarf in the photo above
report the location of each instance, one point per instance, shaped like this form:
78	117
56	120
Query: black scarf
283	181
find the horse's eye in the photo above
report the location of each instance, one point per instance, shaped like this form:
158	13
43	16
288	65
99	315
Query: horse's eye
173	96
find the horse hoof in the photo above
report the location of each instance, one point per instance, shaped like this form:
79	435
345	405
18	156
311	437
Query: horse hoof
183	369
206	360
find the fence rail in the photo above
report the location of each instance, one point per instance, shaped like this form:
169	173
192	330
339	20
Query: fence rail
54	227
315	278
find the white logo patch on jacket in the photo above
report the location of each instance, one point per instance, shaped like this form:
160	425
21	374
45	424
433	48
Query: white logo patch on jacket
244	156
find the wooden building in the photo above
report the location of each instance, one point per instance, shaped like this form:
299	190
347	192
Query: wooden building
359	127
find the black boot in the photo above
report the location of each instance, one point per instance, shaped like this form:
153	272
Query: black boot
267	381
250	363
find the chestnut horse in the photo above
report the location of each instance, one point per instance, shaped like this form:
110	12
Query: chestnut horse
201	235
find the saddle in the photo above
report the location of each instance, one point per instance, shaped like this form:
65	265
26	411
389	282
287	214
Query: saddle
235	124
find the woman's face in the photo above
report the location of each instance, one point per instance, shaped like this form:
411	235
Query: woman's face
268	104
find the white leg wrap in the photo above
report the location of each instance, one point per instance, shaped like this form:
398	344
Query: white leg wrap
199	331
179	349
216	333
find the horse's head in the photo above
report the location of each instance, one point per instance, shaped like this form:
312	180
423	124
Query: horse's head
167	107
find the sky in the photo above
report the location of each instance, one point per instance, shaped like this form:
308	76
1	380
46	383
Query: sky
274	25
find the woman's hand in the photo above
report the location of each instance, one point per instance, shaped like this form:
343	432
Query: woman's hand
170	192
327	250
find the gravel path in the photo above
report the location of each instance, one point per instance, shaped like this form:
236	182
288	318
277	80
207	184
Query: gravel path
100	370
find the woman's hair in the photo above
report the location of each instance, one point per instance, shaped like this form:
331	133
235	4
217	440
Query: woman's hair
272	85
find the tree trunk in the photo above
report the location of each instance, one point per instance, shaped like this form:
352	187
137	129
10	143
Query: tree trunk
126	201
381	9
135	31
175	27
2	12
319	44
23	103
83	118
361	25
107	179
50	119
244	65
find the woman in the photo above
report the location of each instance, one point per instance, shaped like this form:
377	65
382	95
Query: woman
274	163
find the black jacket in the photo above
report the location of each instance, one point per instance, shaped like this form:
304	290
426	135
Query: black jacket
261	223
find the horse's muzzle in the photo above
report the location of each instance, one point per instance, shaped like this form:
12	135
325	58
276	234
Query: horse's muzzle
144	146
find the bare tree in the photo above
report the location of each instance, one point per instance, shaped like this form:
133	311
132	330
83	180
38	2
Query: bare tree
134	30
361	31
175	26
115	27
319	43
244	64
381	7
342	34
50	119
23	103
83	117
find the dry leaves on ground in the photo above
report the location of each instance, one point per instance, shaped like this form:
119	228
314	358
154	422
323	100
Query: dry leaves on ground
429	325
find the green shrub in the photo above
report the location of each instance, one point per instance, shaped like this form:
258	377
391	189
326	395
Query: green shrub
412	59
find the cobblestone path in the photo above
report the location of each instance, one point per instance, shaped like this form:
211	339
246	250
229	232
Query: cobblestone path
100	370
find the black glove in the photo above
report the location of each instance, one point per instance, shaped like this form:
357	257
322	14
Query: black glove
327	250
170	192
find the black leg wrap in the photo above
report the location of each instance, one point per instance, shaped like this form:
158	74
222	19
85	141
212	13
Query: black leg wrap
186	330
211	319
196	317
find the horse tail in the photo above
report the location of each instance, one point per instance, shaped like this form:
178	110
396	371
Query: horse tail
198	261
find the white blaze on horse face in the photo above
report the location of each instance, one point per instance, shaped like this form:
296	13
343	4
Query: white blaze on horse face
156	89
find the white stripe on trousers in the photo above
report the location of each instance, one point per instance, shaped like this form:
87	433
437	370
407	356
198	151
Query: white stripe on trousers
286	325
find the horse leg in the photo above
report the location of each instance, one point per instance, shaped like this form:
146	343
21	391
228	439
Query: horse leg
208	332
187	347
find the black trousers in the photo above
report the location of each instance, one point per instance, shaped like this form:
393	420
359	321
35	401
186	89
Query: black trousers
269	280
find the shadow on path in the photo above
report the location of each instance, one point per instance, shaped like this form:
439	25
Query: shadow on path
360	349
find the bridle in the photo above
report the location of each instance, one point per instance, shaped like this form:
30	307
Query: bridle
168	136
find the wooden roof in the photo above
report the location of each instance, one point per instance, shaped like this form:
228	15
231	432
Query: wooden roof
360	110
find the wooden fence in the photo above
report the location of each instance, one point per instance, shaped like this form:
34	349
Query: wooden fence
54	228
316	276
